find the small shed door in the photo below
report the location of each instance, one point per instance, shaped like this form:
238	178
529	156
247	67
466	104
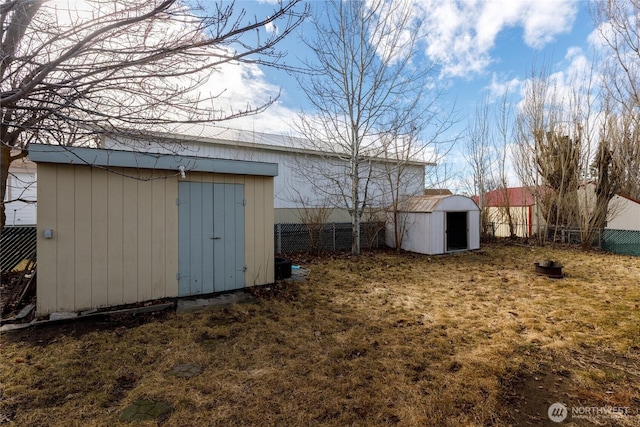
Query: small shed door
211	237
457	231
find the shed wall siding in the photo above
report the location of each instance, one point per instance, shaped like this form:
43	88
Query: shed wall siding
474	229
437	236
414	239
115	235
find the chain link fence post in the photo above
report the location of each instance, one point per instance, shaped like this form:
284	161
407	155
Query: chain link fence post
279	238
333	226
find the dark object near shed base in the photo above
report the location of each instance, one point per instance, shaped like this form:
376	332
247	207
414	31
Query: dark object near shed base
283	268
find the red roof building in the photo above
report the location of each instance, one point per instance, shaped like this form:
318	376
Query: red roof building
512	197
520	202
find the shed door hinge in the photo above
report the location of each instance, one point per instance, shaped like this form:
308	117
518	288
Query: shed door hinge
244	202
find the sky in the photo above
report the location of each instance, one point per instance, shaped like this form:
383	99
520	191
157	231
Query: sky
480	49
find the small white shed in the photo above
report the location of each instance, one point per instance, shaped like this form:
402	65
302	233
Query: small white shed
436	224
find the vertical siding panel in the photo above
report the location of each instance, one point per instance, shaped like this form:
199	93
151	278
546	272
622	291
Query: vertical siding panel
199	177
216	177
251	277
261	266
82	214
438	226
221	263
158	236
229	242
205	177
195	237
171	233
239	213
130	239
99	238
46	290
115	273
145	231
206	224
184	243
65	192
269	214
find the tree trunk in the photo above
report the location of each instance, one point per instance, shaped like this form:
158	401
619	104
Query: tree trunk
355	215
5	161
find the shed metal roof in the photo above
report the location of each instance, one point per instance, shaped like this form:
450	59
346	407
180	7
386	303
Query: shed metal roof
132	159
427	204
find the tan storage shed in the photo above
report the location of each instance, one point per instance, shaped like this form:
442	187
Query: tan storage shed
118	227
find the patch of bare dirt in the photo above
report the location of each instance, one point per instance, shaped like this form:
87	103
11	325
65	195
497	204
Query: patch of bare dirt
528	393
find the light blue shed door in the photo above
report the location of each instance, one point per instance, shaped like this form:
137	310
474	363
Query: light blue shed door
211	237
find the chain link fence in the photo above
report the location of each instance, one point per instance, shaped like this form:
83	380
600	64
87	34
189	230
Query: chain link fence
16	244
335	236
625	242
570	235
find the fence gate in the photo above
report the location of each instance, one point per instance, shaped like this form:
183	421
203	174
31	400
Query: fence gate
211	237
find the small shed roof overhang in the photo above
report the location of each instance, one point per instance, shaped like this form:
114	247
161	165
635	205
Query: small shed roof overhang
44	153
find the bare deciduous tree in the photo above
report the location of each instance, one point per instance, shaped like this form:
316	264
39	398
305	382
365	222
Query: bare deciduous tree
479	153
531	120
504	119
363	87
552	150
98	65
617	24
401	179
561	138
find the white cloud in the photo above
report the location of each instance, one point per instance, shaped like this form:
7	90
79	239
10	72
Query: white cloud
461	34
497	89
270	27
545	19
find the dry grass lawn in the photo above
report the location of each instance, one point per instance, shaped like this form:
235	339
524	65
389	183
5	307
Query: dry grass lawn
387	339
